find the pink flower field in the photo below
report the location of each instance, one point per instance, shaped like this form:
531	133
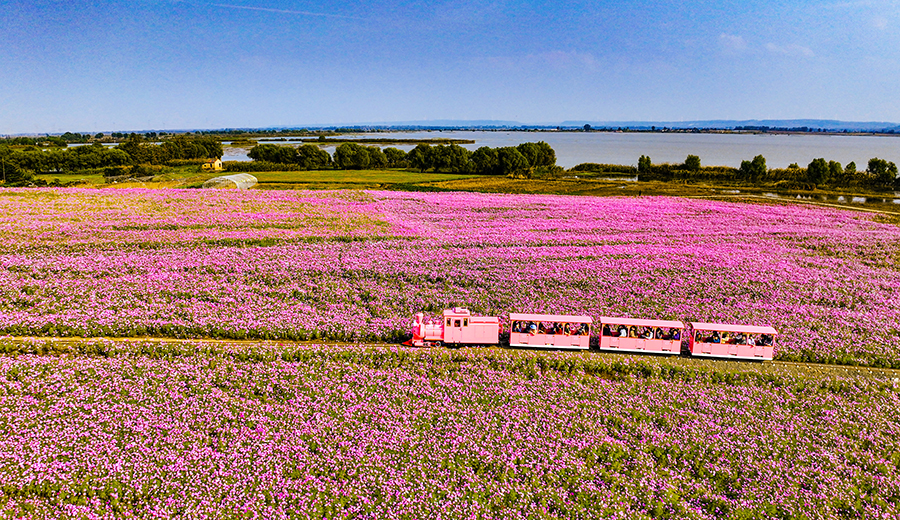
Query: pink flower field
142	429
357	265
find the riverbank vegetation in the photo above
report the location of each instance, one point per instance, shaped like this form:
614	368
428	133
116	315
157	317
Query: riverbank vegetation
527	159
26	163
135	157
879	174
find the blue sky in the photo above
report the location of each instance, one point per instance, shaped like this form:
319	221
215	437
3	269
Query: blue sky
171	64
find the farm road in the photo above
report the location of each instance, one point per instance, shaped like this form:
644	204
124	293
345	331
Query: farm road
805	370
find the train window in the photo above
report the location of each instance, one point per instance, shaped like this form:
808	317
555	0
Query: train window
465	322
456	323
448	322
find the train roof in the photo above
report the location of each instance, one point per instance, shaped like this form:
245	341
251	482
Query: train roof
515	316
641	323
725	327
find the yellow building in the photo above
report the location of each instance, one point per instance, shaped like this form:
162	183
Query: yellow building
213	164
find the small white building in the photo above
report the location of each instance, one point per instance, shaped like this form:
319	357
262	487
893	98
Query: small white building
239	181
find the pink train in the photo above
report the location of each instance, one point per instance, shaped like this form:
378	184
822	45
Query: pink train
458	327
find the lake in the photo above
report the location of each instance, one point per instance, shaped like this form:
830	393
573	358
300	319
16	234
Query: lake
624	148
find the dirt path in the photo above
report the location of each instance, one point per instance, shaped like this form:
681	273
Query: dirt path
813	370
802	201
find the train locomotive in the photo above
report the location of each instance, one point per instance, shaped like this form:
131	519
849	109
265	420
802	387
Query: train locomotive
458	327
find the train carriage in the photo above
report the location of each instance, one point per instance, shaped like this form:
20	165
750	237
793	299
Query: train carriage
722	340
551	331
641	336
457	327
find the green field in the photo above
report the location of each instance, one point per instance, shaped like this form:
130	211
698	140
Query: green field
576	183
352	179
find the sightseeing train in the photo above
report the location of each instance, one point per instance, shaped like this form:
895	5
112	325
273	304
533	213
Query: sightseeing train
717	340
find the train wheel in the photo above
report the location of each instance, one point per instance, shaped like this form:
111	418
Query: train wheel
437	344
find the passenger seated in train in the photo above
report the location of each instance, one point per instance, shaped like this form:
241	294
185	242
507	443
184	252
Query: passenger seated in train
708	337
607	331
766	340
676	335
751	340
623	331
532	328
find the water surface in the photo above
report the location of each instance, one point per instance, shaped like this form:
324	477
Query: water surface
624	148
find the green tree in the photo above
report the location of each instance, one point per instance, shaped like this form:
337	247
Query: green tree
440	158
485	161
644	164
204	147
312	157
692	163
420	157
351	156
817	171
377	159
538	154
883	172
14	176
754	170
396	158
510	160
835	172
531	152
136	149
456	159
548	154
273	153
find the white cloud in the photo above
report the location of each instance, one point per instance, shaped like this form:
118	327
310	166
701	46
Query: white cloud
880	22
732	42
282	11
790	50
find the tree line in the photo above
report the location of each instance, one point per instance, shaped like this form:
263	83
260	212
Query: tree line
879	174
452	158
19	163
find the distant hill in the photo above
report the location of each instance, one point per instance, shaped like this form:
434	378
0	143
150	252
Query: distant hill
726	124
799	125
720	124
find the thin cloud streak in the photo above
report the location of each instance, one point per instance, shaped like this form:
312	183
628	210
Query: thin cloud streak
285	11
790	50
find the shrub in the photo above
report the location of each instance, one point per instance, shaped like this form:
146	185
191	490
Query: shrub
603	168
